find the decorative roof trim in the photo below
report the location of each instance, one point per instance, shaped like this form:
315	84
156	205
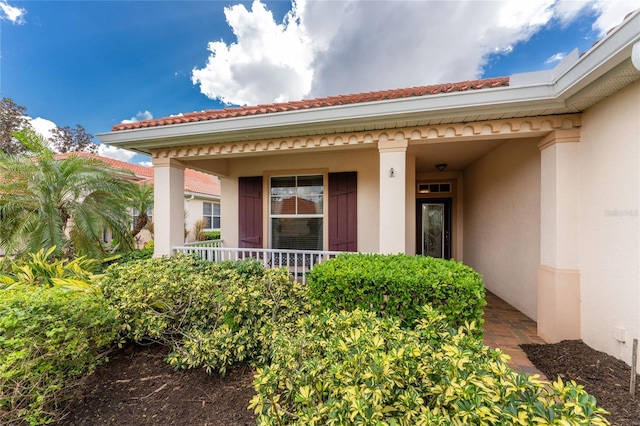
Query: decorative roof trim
515	127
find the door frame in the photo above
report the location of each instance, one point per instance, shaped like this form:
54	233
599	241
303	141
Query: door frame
448	203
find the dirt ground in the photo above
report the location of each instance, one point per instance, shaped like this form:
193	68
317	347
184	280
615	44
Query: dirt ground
603	376
137	388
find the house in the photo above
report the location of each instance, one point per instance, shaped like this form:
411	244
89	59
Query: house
532	179
201	194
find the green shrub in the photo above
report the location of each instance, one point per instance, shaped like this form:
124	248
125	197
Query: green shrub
158	298
359	369
212	235
212	315
49	340
128	256
399	285
251	311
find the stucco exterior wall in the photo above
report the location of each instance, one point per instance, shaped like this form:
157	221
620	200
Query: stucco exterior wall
502	221
609	231
193	213
363	161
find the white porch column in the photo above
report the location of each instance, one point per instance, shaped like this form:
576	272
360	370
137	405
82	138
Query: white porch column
558	279
393	170
168	205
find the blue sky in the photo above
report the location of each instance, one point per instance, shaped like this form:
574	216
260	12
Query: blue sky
97	63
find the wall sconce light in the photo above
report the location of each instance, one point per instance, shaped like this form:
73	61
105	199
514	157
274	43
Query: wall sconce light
441	167
392	173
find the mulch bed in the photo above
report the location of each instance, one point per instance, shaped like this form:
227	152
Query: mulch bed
136	387
602	375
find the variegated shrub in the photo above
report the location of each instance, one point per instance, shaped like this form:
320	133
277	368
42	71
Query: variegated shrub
354	368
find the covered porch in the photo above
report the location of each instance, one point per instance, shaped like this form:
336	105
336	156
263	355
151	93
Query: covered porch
508	184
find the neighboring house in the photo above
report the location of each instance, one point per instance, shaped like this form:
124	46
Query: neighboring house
201	195
533	180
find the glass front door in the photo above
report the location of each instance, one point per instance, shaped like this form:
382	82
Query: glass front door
433	230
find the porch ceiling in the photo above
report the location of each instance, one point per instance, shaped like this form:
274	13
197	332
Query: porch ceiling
456	155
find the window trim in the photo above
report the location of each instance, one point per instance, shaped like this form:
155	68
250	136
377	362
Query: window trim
271	216
213	215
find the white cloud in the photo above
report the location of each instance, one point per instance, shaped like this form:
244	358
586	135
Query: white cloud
146	163
42	126
269	62
115	153
555	58
336	47
11	13
140	116
611	13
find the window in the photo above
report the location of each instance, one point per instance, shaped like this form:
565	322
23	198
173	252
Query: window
211	215
432	188
134	217
296	212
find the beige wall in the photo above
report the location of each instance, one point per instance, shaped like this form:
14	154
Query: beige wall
193	211
502	221
363	161
609	232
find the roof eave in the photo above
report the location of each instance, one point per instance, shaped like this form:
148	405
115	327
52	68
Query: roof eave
270	125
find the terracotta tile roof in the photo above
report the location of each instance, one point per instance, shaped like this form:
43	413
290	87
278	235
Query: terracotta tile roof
201	183
319	103
194	181
139	171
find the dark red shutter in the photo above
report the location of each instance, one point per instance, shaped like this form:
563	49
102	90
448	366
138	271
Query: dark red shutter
343	211
250	212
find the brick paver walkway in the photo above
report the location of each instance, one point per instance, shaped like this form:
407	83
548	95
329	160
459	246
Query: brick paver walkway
505	327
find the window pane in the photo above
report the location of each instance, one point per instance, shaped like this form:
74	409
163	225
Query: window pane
283	182
206	209
216	209
283	205
283	186
315	181
216	223
310	205
296	233
207	220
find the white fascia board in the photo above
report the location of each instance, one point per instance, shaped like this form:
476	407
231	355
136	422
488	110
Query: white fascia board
473	102
200	195
601	58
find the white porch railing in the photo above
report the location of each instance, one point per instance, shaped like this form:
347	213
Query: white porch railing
299	262
205	243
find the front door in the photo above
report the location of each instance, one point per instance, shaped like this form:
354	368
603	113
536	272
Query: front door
434	227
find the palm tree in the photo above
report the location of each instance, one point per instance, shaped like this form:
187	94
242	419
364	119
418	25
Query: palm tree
66	203
141	199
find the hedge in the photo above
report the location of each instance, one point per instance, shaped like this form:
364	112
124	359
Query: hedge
50	339
399	285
